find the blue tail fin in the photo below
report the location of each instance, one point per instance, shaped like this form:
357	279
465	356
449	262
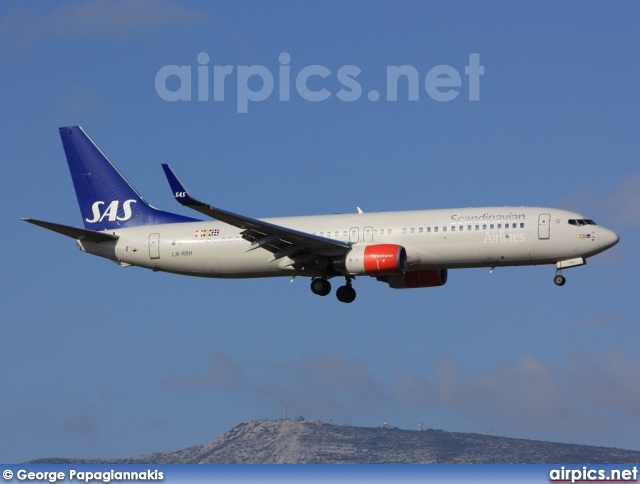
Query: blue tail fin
107	200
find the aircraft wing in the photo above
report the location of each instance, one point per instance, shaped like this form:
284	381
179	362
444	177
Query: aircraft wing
282	241
73	232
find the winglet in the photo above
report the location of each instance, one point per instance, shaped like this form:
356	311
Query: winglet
180	193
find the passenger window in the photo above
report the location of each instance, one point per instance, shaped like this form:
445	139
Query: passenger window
420	229
428	229
337	233
491	226
522	225
484	227
499	226
435	229
413	230
444	229
468	227
453	228
404	231
477	227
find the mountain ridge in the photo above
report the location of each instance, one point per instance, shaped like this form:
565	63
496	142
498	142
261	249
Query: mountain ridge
301	442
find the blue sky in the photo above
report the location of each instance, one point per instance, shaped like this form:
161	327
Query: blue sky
101	361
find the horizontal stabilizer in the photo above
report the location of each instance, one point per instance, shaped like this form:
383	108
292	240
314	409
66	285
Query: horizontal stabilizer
73	232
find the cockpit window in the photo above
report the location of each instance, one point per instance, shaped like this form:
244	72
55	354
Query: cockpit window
579	222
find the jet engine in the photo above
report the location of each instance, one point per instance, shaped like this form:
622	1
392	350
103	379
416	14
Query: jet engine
373	260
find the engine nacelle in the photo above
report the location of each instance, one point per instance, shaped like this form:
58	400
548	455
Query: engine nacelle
374	260
409	280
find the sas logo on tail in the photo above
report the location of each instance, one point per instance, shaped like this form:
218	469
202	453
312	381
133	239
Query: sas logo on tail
111	212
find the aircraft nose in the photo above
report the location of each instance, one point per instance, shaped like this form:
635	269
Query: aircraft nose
608	238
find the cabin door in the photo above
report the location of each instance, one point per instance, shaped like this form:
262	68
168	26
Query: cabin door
544	223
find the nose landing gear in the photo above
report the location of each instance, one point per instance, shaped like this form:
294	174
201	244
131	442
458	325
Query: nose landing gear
559	279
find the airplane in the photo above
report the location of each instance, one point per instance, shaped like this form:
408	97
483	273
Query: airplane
405	249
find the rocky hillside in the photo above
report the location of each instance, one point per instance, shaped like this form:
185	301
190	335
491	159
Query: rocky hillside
293	442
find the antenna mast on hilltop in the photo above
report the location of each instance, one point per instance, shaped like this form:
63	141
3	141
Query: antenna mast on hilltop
285	413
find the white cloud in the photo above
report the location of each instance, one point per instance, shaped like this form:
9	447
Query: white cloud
223	374
584	400
81	426
619	208
27	23
326	384
607	380
525	395
623	205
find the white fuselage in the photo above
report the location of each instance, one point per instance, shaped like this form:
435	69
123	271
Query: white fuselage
433	239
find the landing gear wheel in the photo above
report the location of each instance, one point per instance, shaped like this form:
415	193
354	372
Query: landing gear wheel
346	294
559	280
320	286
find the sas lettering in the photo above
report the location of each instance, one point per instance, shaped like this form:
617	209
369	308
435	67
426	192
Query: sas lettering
111	212
181	194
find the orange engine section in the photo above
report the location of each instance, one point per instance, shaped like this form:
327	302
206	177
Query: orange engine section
384	259
375	260
408	280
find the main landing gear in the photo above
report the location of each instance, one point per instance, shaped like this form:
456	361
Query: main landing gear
346	294
559	279
321	286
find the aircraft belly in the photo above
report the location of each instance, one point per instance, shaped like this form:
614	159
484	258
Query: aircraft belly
107	250
247	264
558	247
495	249
181	254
